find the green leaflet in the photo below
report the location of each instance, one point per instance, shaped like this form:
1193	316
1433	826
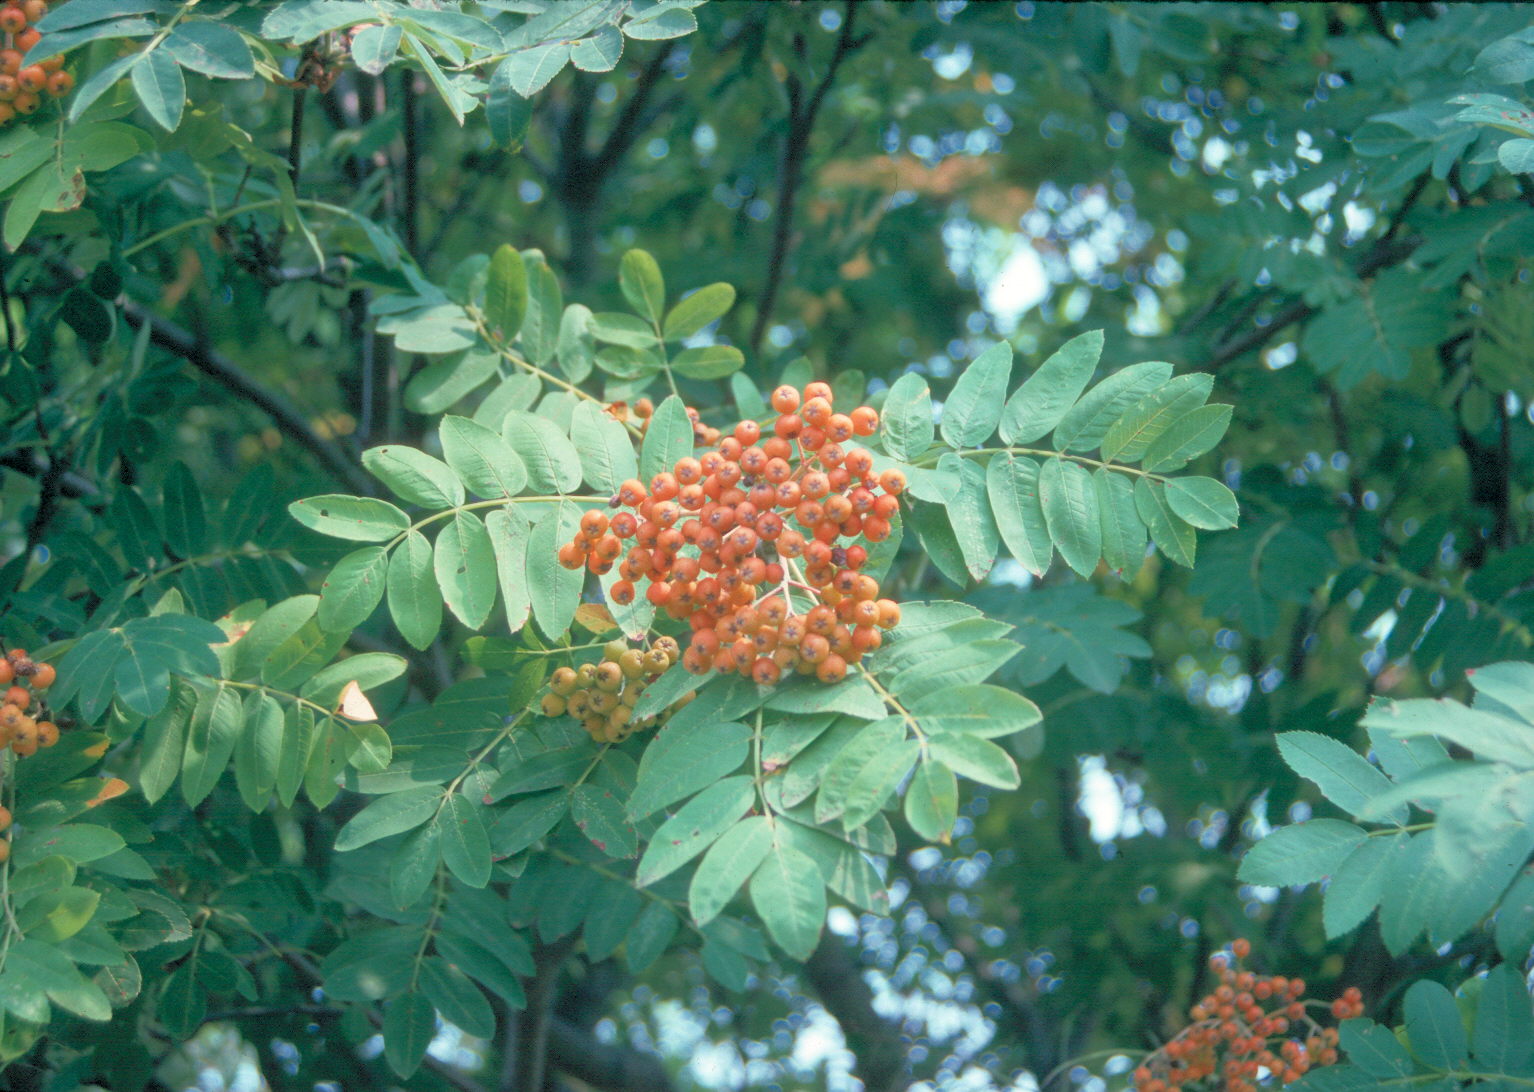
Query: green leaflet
1068	497
485	462
1172	535
1123	532
1086	423
414	476
353	589
1128	438
1343	775
667	438
697	309
932	800
210	741
974	406
640	281
553	591
464	562
1202	502
905	423
1012	484
361	519
410	1024
465	844
788	894
415	602
695	826
509	533
1301	853
391	814
727	866
606	452
1045	396
969	513
552	462
506	293
259	749
1186	438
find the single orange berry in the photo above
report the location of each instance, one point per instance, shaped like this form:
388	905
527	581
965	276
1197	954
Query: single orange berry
32	78
47	733
785	399
1242	948
893	482
18	696
35	9
44	676
12	19
28	38
26	102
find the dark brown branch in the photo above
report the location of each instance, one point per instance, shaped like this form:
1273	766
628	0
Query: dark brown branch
874	1042
296	136
801	125
167	335
1386	253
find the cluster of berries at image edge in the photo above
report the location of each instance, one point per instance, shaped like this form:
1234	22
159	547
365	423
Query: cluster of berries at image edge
25	723
1253	1031
22	86
775	586
602	695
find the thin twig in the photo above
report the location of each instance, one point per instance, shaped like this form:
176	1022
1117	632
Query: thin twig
801	125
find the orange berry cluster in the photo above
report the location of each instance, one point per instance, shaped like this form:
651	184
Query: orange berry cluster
24	723
602	695
726	538
23	86
1253	1028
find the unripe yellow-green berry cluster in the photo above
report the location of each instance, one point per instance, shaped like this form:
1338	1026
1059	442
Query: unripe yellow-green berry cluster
602	695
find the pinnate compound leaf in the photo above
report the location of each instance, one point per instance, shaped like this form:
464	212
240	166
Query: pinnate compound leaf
974	406
1045	396
1302	853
